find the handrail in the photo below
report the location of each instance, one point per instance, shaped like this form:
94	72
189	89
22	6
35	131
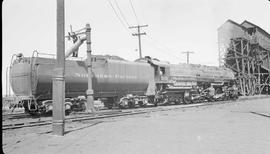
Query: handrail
75	58
35	52
53	55
49	54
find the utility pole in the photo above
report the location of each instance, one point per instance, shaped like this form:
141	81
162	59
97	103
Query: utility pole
7	81
58	126
89	92
139	36
188	52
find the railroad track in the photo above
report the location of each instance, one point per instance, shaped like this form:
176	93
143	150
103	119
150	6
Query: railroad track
110	114
14	116
117	113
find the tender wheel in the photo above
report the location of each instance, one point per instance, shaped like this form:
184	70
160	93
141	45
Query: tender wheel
25	105
123	103
109	103
68	109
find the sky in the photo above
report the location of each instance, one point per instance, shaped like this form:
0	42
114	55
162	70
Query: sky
174	26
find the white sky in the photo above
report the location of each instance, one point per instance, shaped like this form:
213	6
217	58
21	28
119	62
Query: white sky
174	26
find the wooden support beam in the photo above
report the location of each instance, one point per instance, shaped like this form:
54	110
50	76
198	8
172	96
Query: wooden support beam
268	60
241	55
259	77
265	83
237	66
243	66
248	65
245	59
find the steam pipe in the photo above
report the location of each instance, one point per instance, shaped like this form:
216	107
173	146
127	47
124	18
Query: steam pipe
12	59
75	47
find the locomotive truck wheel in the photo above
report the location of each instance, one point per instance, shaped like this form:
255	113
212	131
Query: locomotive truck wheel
131	104
165	102
141	103
121	106
156	102
178	101
201	100
82	106
187	99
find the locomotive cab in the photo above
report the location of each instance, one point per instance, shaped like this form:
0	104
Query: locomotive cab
162	71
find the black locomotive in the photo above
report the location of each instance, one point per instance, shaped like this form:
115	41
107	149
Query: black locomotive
118	82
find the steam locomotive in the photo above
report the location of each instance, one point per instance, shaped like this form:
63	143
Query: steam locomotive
118	82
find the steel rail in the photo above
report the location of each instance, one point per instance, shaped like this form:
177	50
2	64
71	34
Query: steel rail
14	116
104	115
118	113
261	114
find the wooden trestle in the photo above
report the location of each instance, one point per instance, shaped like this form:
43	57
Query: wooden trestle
251	65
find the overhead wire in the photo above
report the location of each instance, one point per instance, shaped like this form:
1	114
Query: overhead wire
121	13
115	12
130	1
152	42
160	49
162	45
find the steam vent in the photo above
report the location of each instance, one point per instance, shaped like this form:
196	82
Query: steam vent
245	49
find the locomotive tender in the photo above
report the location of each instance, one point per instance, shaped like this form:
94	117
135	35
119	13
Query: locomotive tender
117	82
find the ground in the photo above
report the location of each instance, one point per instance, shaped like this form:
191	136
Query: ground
238	128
